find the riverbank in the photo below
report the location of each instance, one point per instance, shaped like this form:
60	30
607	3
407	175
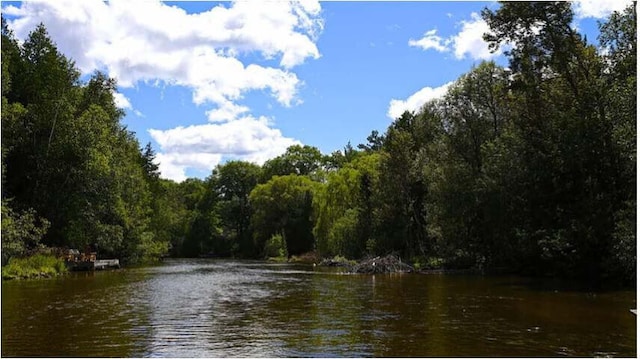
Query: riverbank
36	266
304	258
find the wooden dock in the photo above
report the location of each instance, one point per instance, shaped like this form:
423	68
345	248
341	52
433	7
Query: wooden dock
77	261
101	264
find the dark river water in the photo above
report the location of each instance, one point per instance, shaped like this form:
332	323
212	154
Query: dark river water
218	308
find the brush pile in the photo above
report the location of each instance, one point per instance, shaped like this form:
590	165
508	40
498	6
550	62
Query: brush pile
388	264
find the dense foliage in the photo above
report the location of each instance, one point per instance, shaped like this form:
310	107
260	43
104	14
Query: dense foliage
529	169
73	175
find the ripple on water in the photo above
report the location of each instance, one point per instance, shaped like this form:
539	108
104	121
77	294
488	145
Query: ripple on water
211	308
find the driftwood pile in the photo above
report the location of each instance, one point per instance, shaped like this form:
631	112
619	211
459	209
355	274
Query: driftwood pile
388	264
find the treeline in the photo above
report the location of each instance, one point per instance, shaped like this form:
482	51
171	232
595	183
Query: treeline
528	169
72	174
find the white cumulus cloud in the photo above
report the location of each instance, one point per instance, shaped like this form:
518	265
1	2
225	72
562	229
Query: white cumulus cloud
414	102
150	41
173	165
430	41
207	52
598	8
468	42
122	101
226	111
203	146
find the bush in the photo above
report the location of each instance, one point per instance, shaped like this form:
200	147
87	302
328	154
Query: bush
276	246
151	250
21	232
36	266
422	262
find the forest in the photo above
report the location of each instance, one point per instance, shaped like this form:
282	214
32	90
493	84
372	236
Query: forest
527	169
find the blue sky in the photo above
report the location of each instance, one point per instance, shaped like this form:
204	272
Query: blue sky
206	82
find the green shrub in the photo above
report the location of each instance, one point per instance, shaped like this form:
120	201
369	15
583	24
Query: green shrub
38	265
422	262
21	232
151	250
276	246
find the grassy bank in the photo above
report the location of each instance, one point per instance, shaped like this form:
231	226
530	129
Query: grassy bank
36	266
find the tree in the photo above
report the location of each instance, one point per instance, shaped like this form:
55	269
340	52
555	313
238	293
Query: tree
10	57
374	142
233	182
298	160
43	82
149	165
618	40
338	159
205	231
410	142
566	149
69	158
474	113
343	208
21	232
284	206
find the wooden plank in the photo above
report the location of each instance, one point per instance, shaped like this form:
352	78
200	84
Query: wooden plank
106	263
93	265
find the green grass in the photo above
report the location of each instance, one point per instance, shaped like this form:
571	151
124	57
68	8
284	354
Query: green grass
36	266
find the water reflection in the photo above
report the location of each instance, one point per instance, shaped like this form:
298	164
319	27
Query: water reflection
62	316
209	308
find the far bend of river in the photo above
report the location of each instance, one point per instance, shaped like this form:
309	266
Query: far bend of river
222	308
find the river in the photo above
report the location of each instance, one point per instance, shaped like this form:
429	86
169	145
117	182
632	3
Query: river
222	308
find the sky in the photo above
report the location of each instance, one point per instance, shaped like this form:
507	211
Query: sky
207	82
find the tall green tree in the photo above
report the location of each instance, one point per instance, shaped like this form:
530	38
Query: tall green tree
618	40
68	156
205	233
374	142
473	114
298	160
284	206
402	215
567	153
343	208
233	182
338	159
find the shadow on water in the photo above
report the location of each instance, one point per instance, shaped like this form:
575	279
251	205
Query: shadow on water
221	308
